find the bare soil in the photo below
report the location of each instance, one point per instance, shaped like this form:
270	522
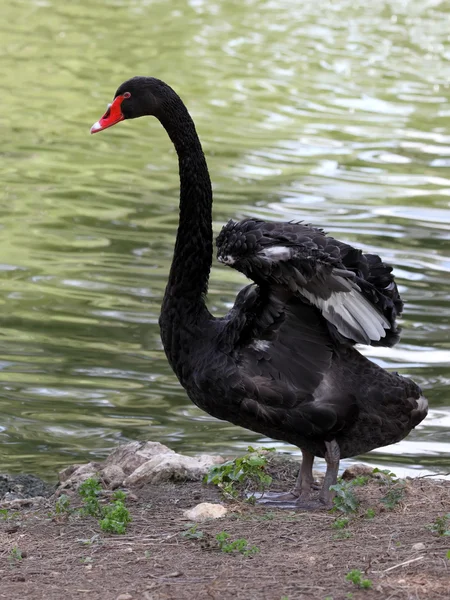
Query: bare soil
301	555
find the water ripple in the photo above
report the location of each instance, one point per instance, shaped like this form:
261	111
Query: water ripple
331	112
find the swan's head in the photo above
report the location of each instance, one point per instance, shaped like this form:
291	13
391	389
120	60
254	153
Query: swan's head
135	98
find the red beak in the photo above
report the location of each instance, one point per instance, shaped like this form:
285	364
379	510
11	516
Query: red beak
112	116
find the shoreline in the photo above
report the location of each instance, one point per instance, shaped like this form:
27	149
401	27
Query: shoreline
395	539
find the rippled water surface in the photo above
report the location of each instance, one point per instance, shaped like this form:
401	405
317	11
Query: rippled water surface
336	112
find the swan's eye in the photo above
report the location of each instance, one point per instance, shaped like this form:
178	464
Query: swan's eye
127	95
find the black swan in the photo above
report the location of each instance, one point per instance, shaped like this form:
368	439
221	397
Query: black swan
282	362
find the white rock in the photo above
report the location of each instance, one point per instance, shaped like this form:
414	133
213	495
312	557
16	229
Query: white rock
131	456
205	511
80	474
419	546
20	502
356	471
67	472
113	476
174	467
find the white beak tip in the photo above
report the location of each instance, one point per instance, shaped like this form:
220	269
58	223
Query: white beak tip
96	127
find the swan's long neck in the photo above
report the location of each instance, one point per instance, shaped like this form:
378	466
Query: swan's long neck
189	274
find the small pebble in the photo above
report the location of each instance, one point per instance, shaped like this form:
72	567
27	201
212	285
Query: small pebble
204	511
419	546
124	597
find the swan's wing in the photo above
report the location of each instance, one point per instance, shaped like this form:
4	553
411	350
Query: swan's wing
284	356
330	275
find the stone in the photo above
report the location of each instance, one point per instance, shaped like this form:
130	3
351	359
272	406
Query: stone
67	473
80	474
124	597
21	486
175	467
205	511
131	456
22	502
9	496
113	476
419	546
357	470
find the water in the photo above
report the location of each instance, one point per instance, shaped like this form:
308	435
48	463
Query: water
334	112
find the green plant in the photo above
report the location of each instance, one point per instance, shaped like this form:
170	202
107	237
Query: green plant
345	499
340	523
248	469
268	516
193	534
90	491
370	513
441	525
120	495
62	505
15	554
361	480
342	535
240	545
116	516
86	560
89	541
396	487
6	515
356	577
113	517
394	495
448	554
389	476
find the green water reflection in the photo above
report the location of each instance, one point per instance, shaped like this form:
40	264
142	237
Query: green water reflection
332	111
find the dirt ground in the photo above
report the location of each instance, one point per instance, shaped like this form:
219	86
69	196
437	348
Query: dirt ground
301	555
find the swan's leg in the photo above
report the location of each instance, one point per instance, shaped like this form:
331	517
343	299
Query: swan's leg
305	479
300	497
304	484
332	457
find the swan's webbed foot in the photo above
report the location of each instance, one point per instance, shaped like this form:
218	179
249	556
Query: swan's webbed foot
286	501
292	496
277	497
302	491
300	497
291	502
317	504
